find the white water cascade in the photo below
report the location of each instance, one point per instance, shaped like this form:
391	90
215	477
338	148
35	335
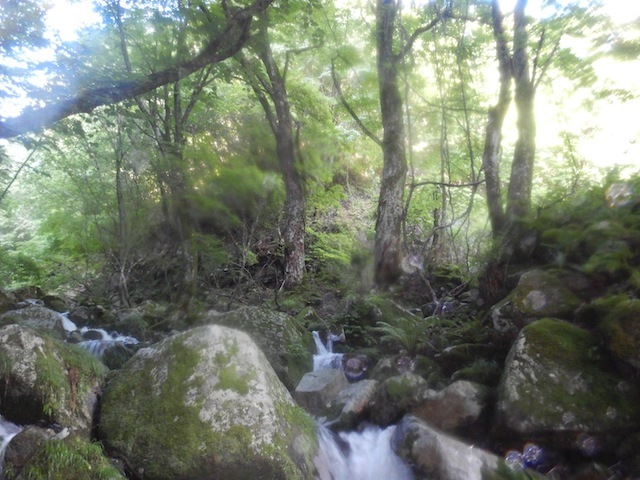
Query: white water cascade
8	430
365	454
101	340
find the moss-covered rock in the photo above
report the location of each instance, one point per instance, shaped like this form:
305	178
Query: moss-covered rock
277	334
205	404
395	396
538	294
621	329
555	382
70	458
42	378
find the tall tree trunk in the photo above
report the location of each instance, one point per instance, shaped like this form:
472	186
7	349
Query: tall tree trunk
388	239
519	196
495	121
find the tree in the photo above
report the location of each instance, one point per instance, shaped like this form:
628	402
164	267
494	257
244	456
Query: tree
388	249
225	42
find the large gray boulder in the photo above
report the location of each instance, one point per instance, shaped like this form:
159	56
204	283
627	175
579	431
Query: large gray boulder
206	404
318	388
44	379
277	334
556	385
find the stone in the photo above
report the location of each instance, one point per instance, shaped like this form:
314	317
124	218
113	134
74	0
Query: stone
277	334
396	396
621	330
318	388
352	403
38	317
459	406
206	404
436	454
555	385
49	380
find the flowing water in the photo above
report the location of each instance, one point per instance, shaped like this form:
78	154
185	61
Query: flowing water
8	430
364	454
99	339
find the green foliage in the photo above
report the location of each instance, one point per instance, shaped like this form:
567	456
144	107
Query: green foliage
71	458
408	332
17	269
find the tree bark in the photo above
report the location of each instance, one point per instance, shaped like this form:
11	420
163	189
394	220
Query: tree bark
226	44
519	196
388	238
272	95
495	122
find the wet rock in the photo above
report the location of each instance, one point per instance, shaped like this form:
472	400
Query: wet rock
556	386
352	403
318	388
462	405
435	454
205	403
356	367
621	330
23	446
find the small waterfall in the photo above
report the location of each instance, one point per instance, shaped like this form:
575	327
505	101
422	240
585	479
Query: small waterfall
325	358
98	340
8	430
365	454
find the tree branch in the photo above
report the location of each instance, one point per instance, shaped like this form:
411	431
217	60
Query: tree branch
226	44
345	104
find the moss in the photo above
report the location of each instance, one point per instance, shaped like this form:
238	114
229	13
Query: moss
621	328
70	458
579	385
178	443
228	377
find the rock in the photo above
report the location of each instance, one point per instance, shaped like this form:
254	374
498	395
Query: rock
278	336
554	386
44	379
396	396
355	367
68	458
462	405
435	454
621	330
37	317
538	294
206	404
318	388
23	446
352	403
56	303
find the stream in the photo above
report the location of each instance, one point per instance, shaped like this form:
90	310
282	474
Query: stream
363	454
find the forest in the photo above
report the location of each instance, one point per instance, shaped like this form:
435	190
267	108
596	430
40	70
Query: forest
169	147
365	167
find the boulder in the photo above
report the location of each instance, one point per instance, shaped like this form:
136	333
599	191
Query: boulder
24	446
38	317
318	388
352	404
538	294
44	379
621	330
278	336
206	404
396	396
556	386
65	458
436	454
462	405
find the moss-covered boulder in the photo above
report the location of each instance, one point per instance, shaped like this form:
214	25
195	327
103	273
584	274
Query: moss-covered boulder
397	395
557	384
68	458
44	379
621	330
277	334
206	404
538	294
37	317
